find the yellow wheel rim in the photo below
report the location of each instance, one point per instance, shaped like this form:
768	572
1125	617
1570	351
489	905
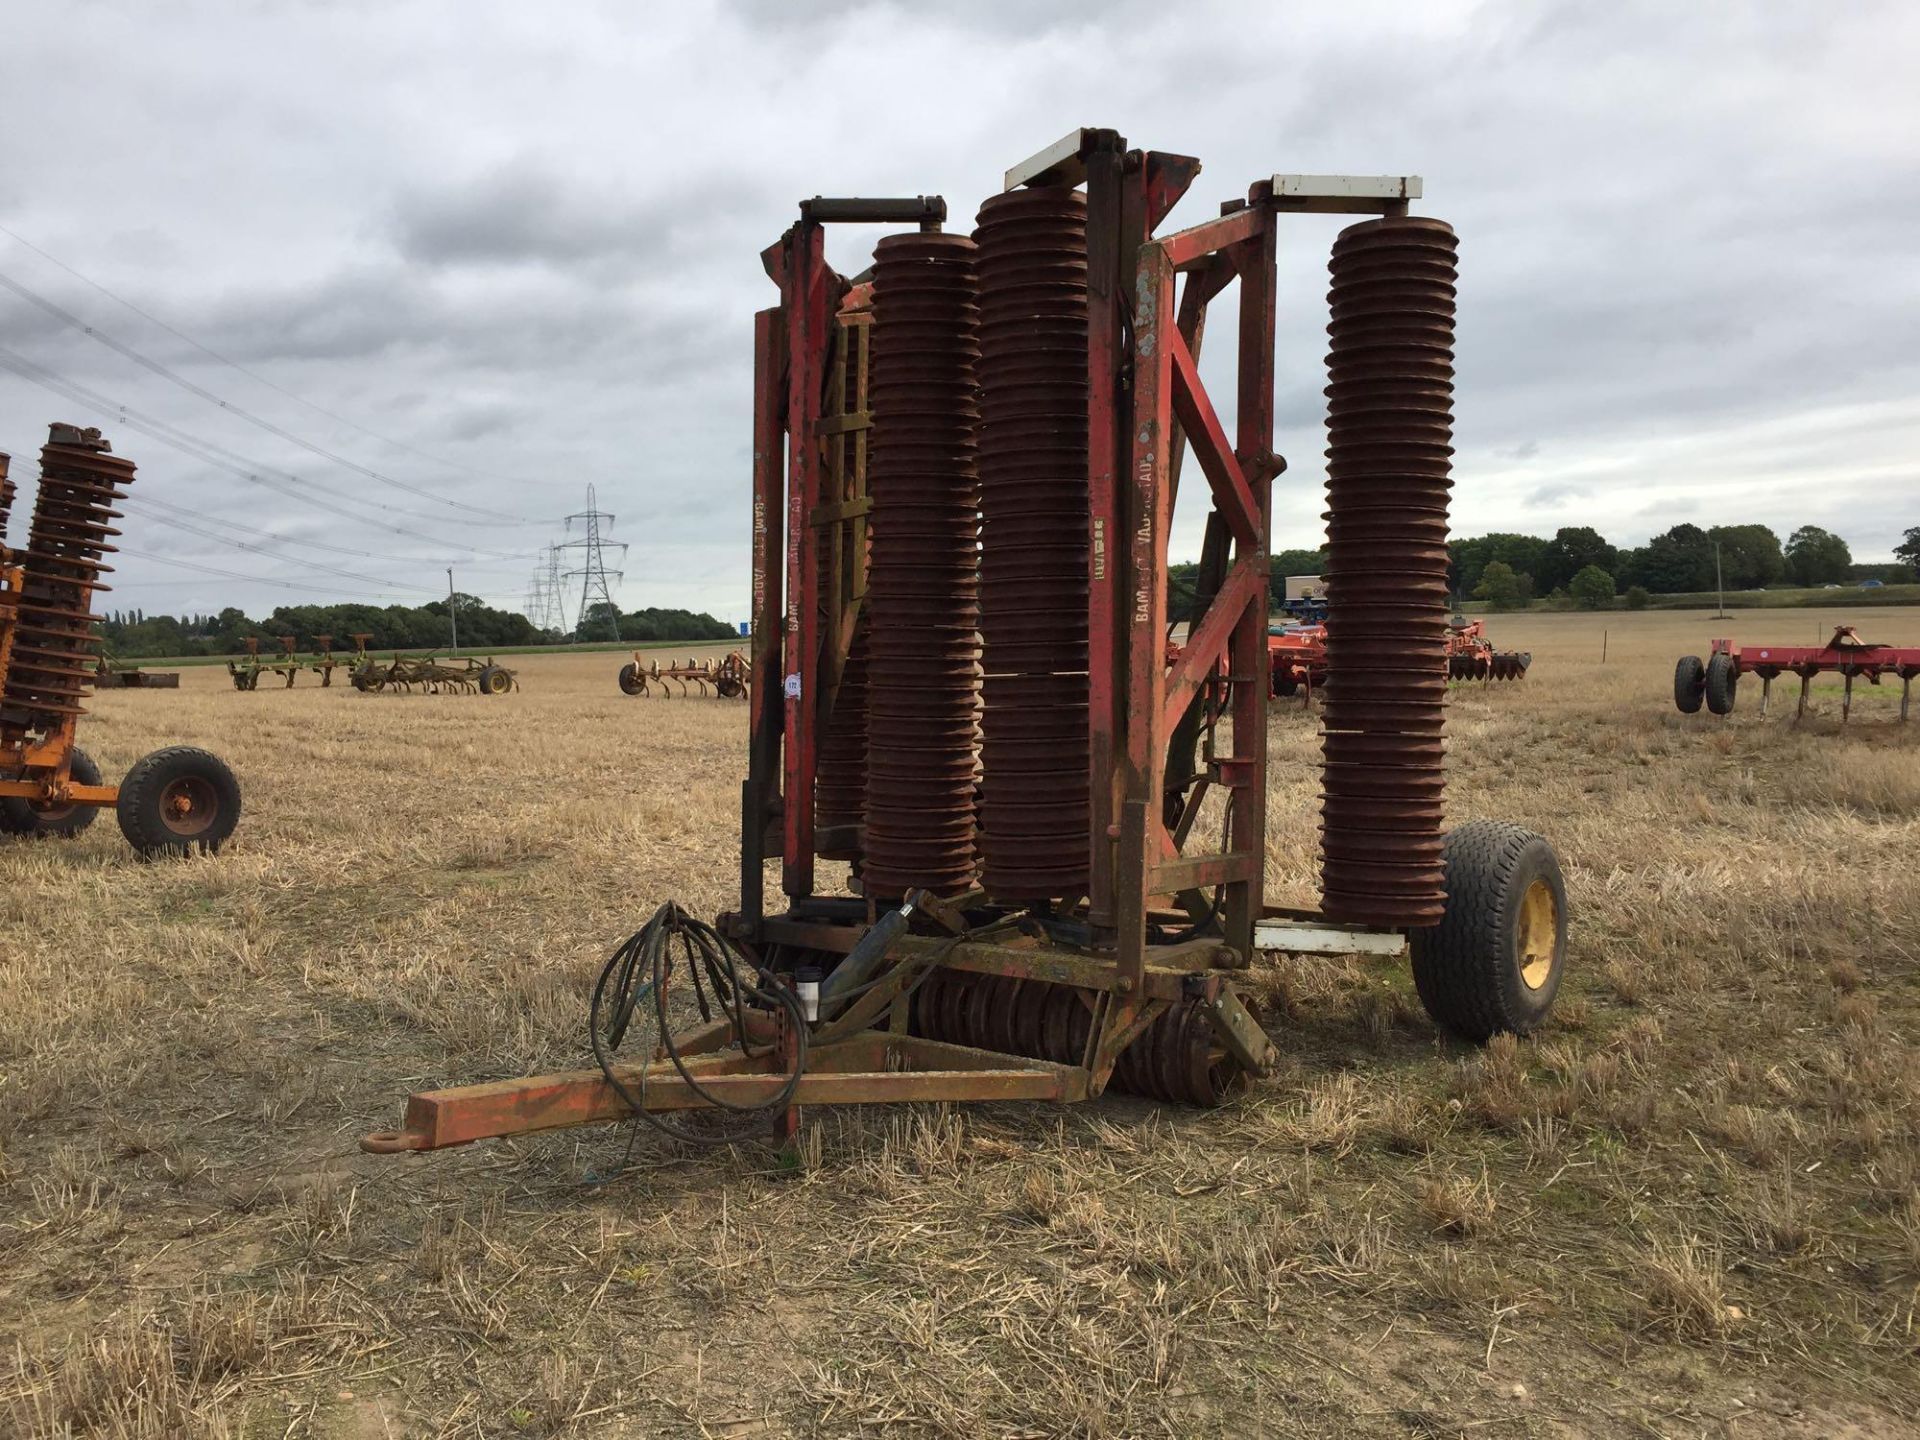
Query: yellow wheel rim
1539	933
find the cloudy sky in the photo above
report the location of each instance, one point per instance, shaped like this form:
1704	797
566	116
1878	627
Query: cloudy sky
410	277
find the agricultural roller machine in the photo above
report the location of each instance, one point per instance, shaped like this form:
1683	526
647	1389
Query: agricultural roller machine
406	673
729	678
1471	656
965	476
1717	680
171	801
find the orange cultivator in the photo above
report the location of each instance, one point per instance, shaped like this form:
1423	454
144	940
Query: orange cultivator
1471	656
173	800
729	678
1298	656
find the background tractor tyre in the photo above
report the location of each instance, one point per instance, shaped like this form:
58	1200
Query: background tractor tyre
23	817
178	800
630	678
1689	684
1721	683
1495	960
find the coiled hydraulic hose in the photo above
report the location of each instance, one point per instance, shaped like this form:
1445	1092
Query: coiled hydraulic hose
671	947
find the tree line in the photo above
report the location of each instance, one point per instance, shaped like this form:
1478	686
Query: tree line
133	634
1579	565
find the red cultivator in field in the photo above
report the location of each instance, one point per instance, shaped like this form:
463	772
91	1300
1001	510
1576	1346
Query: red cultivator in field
1298	655
1471	656
1846	654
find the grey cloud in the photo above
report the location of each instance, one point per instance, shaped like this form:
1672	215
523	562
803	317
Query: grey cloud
1559	494
529	244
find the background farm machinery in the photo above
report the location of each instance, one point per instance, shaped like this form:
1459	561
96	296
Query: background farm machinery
172	800
966	466
407	673
729	677
109	674
1716	681
248	668
401	674
1471	656
1297	656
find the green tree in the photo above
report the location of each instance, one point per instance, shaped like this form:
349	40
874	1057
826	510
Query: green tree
1675	563
1572	549
1468	559
1592	588
599	621
1750	556
1498	586
1816	556
1908	550
1637	597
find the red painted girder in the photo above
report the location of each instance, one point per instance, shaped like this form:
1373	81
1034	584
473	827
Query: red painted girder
1231	493
1183	247
1245	584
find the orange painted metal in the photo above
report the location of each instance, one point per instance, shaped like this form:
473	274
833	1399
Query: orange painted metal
47	659
874	1067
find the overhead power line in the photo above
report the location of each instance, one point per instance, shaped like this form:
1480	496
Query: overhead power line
219	456
468	558
287	559
67	317
250	579
264	580
252	375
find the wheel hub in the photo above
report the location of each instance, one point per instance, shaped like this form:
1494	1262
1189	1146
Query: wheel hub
1539	933
189	805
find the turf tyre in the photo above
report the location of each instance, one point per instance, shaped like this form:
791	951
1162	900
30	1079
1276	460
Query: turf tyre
1472	969
159	785
1722	682
1689	684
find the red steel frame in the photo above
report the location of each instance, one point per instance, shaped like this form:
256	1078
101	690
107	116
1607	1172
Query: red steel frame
1136	339
1146	406
1844	654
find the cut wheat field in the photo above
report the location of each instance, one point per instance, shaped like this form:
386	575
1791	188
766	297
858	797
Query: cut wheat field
1690	1205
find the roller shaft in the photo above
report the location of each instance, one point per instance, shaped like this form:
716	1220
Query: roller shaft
54	648
1390	430
1034	523
922	580
1177	1058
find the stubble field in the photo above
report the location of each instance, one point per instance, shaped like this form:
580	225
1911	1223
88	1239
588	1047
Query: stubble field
1688	1206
